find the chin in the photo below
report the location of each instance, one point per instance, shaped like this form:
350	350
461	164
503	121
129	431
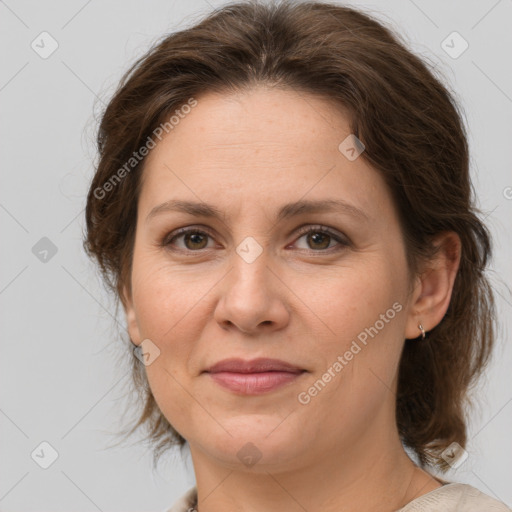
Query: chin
256	444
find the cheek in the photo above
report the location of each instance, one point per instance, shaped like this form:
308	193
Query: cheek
165	314
161	306
361	308
159	297
362	315
351	299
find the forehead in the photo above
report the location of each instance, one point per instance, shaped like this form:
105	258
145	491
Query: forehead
263	145
256	119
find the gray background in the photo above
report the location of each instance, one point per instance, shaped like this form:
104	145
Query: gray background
63	376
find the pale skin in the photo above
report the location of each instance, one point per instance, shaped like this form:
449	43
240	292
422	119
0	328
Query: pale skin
302	300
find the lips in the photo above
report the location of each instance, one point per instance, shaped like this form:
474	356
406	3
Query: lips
253	377
259	365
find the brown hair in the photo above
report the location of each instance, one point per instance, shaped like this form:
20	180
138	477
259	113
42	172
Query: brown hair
413	133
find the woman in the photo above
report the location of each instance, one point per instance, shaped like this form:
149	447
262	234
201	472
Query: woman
283	205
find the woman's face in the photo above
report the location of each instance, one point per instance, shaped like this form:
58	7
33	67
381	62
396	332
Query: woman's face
325	290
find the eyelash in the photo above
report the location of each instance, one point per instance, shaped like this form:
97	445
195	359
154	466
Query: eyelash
342	241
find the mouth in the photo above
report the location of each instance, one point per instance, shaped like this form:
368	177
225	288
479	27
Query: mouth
253	377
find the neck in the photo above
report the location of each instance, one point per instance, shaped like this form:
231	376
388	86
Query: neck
370	472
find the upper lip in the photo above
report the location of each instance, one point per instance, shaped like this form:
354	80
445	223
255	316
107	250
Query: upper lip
253	366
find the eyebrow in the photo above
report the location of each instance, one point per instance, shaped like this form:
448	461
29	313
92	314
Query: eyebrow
201	209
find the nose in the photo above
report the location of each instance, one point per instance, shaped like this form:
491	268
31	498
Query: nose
253	298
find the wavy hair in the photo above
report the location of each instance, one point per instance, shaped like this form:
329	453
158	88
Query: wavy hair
412	129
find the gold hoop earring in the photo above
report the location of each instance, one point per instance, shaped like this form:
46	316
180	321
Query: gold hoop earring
423	335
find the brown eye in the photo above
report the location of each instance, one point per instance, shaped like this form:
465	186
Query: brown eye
195	240
321	239
318	240
192	240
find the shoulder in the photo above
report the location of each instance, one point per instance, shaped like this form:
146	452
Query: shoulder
455	497
185	503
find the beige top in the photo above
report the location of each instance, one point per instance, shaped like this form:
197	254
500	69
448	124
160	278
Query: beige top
451	497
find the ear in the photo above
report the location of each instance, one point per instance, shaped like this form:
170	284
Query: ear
433	288
131	317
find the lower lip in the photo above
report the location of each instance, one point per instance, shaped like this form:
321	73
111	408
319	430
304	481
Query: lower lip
253	383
